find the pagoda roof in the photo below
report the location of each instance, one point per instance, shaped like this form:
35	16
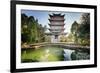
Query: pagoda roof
54	14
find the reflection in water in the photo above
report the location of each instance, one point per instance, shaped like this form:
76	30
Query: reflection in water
67	54
80	55
45	57
45	54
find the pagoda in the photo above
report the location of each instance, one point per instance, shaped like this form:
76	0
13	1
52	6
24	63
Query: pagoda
56	26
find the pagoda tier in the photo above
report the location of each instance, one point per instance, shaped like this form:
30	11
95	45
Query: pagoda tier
56	25
57	29
56	17
58	20
56	33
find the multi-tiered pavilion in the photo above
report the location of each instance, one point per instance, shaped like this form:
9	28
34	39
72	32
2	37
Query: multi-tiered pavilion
56	23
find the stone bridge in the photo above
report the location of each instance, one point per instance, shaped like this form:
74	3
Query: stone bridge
62	45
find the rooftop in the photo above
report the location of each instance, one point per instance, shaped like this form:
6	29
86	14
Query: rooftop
53	14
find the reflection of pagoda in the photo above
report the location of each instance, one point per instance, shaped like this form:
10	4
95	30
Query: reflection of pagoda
56	27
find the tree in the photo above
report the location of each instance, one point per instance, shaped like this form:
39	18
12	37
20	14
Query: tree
74	30
70	38
24	28
84	29
31	30
81	32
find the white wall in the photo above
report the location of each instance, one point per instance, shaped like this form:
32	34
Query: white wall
5	37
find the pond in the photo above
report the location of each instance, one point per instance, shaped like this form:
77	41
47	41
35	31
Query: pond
52	53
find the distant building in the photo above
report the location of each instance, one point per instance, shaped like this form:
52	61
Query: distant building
56	27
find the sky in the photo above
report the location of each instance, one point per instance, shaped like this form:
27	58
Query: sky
43	17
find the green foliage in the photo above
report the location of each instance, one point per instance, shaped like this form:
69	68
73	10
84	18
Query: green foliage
70	38
74	30
81	32
47	38
31	30
74	27
84	29
63	38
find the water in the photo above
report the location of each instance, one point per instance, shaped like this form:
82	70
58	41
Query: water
67	54
52	53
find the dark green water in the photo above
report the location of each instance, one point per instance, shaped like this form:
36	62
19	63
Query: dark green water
48	54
